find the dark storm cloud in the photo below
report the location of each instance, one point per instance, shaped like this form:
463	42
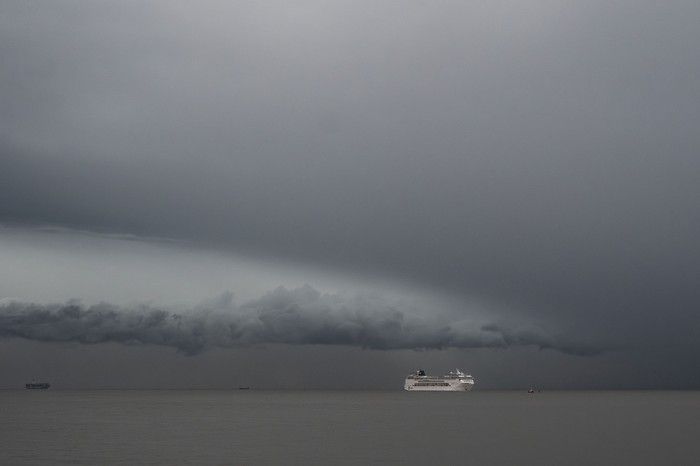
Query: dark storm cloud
542	156
301	316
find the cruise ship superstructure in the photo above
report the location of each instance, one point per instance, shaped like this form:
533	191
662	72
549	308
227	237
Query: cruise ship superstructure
456	381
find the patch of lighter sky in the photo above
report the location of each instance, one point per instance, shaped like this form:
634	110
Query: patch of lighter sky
46	265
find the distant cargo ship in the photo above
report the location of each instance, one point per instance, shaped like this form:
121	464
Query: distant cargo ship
34	385
456	381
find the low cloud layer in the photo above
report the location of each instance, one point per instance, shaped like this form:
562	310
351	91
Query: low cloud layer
301	316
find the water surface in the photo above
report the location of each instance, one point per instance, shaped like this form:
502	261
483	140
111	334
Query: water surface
251	427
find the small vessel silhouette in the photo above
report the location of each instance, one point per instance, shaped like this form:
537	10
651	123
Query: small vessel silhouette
34	385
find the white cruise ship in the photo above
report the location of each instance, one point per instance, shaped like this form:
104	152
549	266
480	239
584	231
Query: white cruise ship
456	381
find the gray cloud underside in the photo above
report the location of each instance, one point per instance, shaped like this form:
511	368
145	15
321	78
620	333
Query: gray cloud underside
537	153
542	156
301	316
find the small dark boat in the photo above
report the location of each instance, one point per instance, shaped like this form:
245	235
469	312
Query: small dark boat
34	385
532	390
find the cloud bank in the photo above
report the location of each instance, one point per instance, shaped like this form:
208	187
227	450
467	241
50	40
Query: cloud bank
301	316
538	156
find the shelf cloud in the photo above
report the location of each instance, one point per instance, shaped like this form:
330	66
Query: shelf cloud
301	316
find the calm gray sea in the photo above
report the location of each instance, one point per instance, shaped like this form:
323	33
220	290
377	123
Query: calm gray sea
250	427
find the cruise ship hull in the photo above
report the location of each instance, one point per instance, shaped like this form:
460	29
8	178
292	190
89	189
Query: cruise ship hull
459	387
452	382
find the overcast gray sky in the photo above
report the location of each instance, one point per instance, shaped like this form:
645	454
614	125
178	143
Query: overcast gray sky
510	186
